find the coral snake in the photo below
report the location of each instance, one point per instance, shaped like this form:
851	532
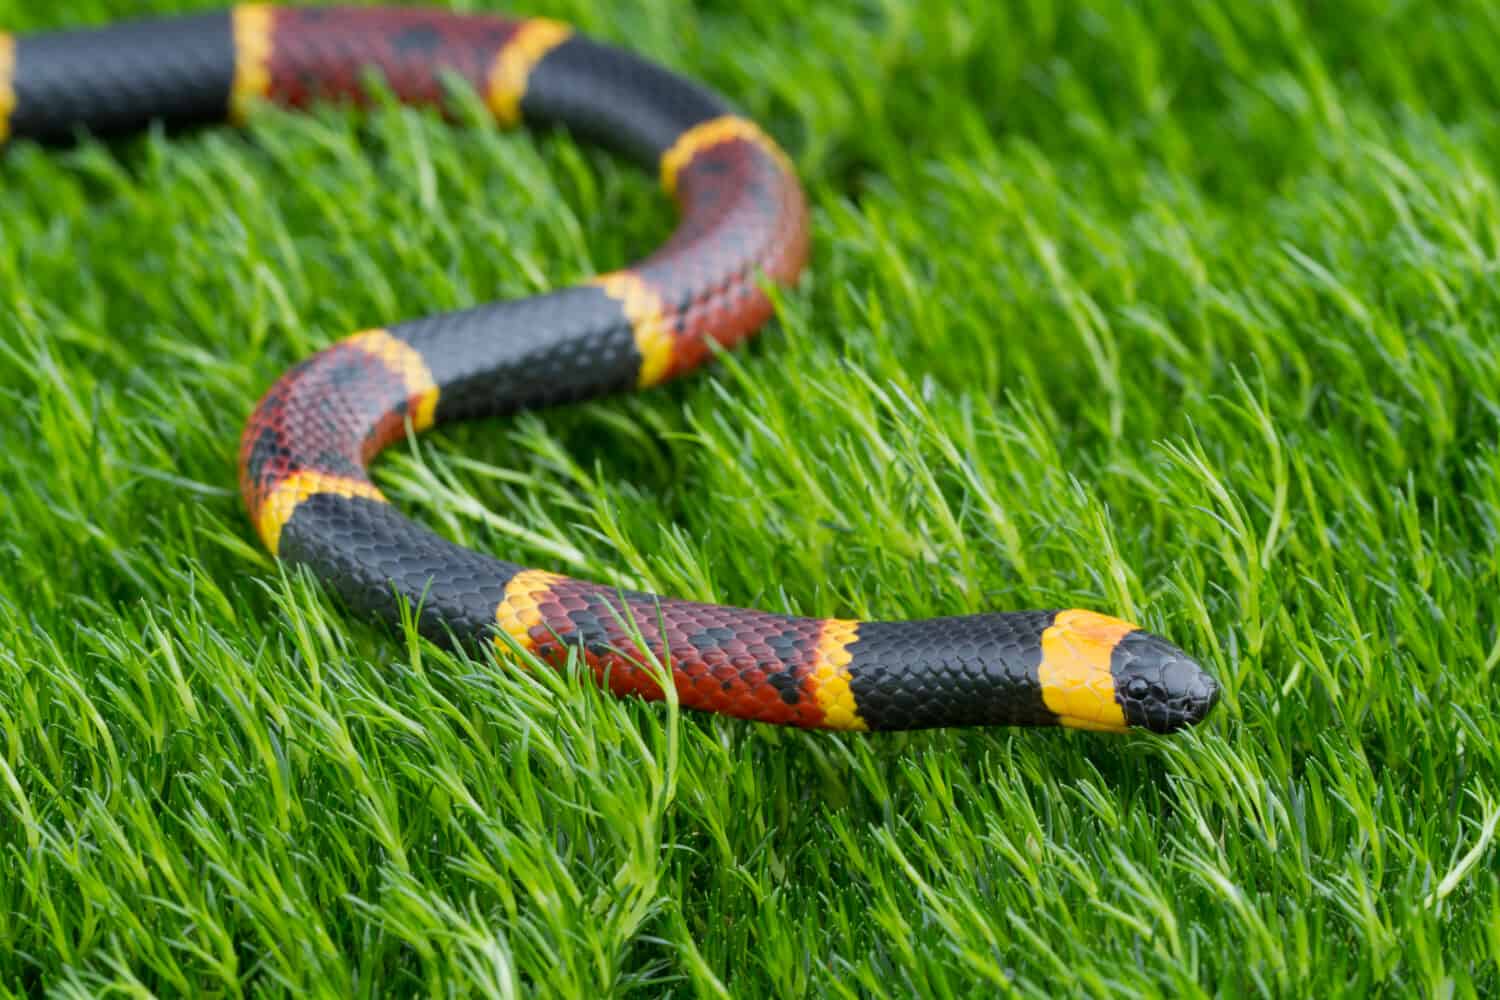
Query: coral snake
743	225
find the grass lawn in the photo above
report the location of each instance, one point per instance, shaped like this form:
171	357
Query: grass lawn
1188	316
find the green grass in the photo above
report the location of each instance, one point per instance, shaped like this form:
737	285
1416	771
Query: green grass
1187	315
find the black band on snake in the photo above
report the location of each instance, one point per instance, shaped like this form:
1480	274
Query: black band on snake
744	224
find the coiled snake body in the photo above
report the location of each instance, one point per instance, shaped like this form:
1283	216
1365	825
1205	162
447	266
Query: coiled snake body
743	222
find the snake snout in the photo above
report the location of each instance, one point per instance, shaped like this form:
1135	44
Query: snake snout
1160	687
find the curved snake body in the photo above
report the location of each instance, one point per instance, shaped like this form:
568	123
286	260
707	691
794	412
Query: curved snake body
743	221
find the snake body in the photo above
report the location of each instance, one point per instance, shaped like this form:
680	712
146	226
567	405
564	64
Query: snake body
743	226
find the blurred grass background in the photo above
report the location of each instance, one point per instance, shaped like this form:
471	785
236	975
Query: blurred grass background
1184	312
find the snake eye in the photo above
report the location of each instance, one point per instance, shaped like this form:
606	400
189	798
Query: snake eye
1138	688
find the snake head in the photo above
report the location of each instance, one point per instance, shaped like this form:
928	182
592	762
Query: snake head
1158	686
1101	673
